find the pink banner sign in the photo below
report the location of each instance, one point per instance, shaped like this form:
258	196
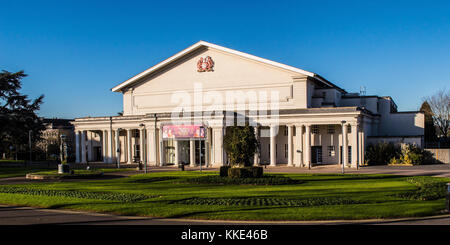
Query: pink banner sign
184	132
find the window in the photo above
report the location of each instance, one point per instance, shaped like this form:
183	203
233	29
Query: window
285	151
137	151
349	128
135	133
349	154
331	152
285	131
331	129
315	129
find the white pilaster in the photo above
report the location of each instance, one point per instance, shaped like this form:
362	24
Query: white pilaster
290	145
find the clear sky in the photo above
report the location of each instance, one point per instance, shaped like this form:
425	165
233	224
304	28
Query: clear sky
75	51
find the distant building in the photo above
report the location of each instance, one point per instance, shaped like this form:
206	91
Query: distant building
51	137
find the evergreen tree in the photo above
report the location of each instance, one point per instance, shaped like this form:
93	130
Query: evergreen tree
430	129
17	113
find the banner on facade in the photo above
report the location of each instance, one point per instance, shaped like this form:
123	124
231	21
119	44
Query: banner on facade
184	132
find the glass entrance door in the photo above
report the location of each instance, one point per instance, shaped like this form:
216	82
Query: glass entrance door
316	154
169	151
200	152
183	151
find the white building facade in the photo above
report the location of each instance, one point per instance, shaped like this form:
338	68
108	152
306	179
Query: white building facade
300	118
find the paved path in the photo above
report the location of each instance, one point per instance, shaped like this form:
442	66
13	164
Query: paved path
14	215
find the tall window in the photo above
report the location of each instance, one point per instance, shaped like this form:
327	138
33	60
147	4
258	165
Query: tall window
331	152
285	150
331	129
315	129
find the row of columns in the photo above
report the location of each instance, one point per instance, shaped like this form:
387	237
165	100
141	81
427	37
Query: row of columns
151	147
357	151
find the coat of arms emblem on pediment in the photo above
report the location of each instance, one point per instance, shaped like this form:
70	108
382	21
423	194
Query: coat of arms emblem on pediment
205	64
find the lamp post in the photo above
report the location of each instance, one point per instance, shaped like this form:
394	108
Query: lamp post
343	159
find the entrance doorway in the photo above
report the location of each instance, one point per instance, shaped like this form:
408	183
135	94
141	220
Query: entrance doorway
183	151
169	151
316	154
97	156
200	152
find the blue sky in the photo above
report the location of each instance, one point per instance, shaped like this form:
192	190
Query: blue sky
75	51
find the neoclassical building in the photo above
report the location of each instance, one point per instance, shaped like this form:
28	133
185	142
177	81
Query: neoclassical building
178	110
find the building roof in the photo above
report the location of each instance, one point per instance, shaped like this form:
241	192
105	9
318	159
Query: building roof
201	44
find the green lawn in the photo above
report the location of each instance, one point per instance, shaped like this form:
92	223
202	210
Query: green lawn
169	195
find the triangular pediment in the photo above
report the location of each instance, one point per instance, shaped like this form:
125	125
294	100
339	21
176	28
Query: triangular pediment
230	66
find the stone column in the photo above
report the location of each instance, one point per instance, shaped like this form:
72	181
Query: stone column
177	155
218	146
344	145
141	144
307	154
192	153
83	147
161	147
355	146
362	143
110	146
152	149
299	138
290	145
273	142
117	146
77	146
208	148
129	146
104	146
90	156
256	157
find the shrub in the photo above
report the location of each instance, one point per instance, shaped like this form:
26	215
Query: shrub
381	153
428	189
265	180
224	171
246	172
268	201
109	196
413	155
240	144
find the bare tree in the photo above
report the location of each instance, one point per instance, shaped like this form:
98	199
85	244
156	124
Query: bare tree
440	107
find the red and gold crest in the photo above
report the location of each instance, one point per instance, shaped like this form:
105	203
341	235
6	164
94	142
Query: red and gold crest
205	64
